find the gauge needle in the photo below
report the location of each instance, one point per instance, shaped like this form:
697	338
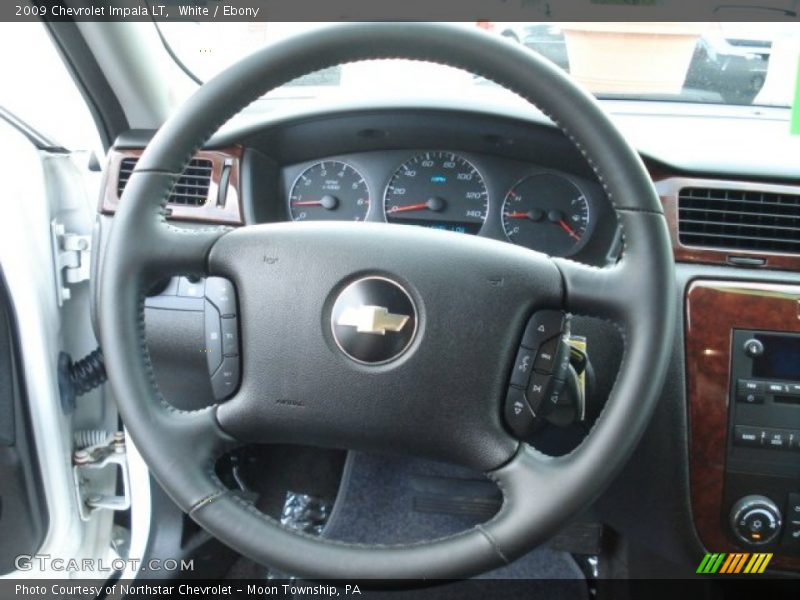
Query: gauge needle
308	203
409	207
565	226
517	215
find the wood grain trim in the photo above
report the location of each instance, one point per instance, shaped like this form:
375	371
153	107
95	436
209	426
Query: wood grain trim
668	190
713	310
230	213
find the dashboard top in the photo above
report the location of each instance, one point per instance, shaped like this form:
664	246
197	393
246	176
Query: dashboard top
681	137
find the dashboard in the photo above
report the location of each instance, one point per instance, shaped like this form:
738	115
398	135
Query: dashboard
519	181
542	209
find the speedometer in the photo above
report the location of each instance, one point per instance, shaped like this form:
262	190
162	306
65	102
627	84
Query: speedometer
440	190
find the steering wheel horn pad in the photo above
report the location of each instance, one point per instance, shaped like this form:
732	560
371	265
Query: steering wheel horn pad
441	397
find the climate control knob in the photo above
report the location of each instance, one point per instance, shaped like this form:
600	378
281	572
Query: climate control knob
755	520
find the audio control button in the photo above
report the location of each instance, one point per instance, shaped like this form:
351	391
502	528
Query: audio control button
749	391
777	439
747	436
753	348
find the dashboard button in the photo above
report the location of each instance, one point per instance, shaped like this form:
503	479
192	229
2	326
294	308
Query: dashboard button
777	388
792	536
794	440
220	292
776	438
793	508
543	325
523	366
750	392
191	288
230	337
748	436
519	417
753	348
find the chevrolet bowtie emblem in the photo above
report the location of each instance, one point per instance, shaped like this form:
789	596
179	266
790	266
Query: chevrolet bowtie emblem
372	319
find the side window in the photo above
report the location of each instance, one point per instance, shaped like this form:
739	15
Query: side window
36	87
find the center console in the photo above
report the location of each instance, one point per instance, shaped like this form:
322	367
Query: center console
743	372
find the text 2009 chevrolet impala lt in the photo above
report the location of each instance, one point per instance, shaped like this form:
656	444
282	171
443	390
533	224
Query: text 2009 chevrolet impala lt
343	306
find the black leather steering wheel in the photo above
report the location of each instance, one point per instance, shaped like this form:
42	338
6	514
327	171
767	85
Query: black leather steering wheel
442	398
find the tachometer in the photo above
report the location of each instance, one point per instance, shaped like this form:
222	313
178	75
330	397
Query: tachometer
329	190
440	190
548	213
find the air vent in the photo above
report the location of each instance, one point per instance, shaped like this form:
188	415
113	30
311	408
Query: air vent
739	220
191	189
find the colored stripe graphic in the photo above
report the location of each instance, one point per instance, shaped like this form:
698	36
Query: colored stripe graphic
762	567
734	563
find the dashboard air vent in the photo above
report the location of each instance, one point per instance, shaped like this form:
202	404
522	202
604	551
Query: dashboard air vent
190	190
739	219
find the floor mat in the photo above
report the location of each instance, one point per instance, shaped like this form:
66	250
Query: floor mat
392	500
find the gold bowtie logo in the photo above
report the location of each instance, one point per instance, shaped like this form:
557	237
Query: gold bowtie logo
372	319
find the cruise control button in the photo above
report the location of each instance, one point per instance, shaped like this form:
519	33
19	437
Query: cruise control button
523	366
220	292
225	380
518	414
543	325
230	337
213	337
191	289
747	436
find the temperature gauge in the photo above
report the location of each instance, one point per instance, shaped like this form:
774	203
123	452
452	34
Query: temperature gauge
548	213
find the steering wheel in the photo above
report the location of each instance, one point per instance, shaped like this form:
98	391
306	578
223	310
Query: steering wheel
439	394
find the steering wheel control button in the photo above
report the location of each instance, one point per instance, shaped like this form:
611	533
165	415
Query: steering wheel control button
219	292
191	288
755	520
374	320
519	416
753	348
543	325
522	367
546	357
750	392
538	393
225	380
230	337
213	337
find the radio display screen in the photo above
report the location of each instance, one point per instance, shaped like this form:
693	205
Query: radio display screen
781	357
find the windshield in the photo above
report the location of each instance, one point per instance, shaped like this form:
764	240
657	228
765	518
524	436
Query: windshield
716	63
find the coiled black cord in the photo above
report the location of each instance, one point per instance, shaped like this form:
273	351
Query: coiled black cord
79	377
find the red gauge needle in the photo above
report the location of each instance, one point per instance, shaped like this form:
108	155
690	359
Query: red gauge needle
410	207
517	215
565	226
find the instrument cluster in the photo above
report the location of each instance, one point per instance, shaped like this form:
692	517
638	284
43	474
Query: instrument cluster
546	210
